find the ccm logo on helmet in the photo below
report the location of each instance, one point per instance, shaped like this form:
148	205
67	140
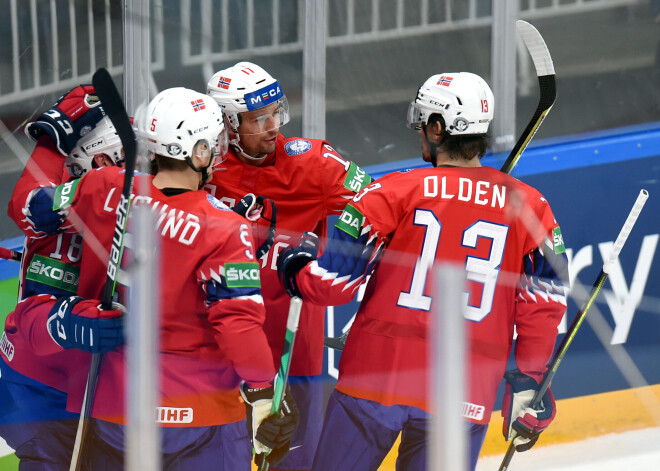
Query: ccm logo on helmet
196	131
93	145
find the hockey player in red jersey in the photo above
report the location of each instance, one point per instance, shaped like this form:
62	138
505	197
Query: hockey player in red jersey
501	231
309	181
212	310
72	137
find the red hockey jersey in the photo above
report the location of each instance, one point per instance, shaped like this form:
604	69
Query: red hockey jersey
26	345
499	230
50	265
49	262
212	313
308	181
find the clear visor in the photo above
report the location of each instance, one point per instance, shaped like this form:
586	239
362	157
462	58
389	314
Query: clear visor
218	147
417	115
269	118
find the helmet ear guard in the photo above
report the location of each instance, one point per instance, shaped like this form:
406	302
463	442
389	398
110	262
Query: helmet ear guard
464	100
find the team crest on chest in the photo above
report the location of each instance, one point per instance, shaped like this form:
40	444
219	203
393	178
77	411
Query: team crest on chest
297	147
216	203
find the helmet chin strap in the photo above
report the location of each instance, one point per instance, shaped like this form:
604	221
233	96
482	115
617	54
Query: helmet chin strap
203	170
433	148
234	143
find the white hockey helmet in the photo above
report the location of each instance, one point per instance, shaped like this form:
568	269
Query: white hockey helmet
247	87
102	139
464	100
177	120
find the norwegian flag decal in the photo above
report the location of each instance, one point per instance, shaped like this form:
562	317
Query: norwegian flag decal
223	82
198	105
445	81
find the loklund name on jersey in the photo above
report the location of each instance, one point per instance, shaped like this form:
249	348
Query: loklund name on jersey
172	223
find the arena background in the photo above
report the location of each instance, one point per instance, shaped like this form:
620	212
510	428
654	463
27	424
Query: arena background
597	148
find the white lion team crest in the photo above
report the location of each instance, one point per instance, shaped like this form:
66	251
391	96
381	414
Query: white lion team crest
216	203
297	147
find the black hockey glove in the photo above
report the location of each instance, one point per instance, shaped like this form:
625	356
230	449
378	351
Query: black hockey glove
293	259
72	116
270	435
254	208
75	322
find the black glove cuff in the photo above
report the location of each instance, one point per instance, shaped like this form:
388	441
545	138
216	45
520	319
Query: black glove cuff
251	395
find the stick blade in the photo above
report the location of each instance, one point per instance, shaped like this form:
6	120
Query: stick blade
536	47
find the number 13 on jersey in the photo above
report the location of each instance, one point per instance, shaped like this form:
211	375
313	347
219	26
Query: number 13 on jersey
485	271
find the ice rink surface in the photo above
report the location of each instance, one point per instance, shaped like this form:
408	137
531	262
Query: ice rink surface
637	450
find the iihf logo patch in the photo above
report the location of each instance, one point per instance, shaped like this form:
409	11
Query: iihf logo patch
297	147
216	203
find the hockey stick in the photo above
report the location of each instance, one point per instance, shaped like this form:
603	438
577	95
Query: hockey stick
285	363
114	108
9	254
546	75
579	318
